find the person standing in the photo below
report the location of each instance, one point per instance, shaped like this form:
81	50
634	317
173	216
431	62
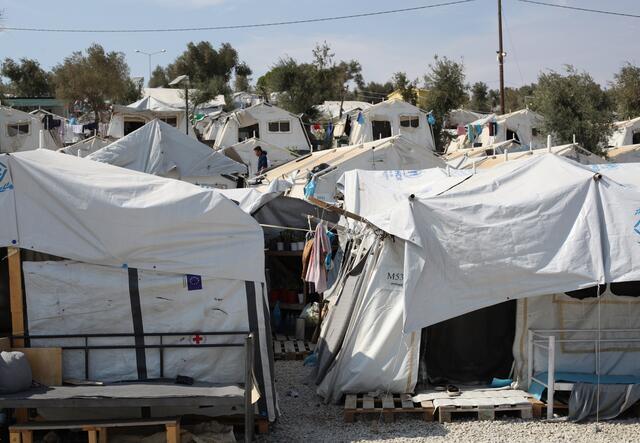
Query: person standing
263	162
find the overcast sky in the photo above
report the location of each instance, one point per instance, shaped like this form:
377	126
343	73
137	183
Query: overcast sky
537	38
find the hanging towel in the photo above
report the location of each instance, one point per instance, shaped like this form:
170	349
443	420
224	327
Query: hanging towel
360	118
347	126
317	273
461	130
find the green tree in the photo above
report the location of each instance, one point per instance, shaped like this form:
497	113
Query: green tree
201	62
406	87
445	82
480	100
96	78
626	91
27	77
159	78
304	85
572	103
243	72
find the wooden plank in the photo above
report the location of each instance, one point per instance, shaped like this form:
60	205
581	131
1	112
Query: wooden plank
300	346
351	401
92	435
368	402
103	435
46	364
5	344
407	402
91	424
15	437
387	402
289	348
173	433
15	294
428	410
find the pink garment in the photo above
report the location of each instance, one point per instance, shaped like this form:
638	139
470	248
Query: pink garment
316	272
461	130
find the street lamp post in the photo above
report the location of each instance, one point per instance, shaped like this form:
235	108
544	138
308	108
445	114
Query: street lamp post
149	54
176	81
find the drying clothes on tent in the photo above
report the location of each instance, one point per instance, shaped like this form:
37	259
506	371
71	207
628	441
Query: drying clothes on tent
347	126
317	272
328	133
90	127
493	128
461	130
360	118
77	129
431	119
306	256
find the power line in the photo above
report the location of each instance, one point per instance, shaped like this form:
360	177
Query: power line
246	26
576	8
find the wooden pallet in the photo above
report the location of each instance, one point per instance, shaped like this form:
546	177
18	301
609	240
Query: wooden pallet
288	348
446	413
540	408
387	405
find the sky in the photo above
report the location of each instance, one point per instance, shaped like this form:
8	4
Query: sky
537	38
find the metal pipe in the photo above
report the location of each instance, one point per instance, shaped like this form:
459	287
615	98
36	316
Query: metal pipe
551	376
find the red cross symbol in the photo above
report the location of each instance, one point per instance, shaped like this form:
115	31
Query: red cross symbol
197	339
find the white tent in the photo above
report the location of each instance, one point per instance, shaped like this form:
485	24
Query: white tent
126	119
86	146
331	108
268	123
243	153
114	228
391	118
20	131
625	133
496	154
326	167
524	126
624	154
461	243
175	97
462	117
160	149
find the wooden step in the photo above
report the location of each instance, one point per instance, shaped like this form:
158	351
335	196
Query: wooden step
446	413
291	349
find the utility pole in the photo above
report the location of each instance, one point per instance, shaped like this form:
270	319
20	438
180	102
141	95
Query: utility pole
501	55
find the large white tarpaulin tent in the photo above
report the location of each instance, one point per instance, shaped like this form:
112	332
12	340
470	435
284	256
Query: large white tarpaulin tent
102	223
625	133
326	167
392	118
244	153
125	119
463	243
160	149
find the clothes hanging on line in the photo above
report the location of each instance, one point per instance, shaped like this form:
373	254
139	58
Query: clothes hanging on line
317	272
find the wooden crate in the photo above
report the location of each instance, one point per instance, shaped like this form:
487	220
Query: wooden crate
446	413
387	406
540	408
288	348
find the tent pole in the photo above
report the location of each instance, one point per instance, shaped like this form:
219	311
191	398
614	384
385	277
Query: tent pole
15	295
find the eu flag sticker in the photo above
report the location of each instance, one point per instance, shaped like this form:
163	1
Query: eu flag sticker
194	282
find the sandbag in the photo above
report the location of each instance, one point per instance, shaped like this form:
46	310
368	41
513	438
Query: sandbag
15	372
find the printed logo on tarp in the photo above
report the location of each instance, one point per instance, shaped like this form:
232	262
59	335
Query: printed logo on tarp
636	227
395	278
4	173
194	282
401	175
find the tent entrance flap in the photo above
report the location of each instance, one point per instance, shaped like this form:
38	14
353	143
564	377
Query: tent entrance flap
474	347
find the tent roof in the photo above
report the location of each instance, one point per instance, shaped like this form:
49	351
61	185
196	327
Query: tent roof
393	104
153	104
88	145
174	97
331	108
158	148
96	213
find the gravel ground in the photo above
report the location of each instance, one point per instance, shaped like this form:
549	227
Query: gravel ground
307	418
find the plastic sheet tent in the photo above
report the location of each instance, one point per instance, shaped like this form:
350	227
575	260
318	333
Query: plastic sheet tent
625	133
105	221
243	153
160	149
546	224
326	167
143	111
524	125
491	156
269	123
86	146
521	231
21	132
400	118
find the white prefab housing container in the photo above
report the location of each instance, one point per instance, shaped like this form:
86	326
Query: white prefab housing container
160	149
391	118
20	131
269	123
131	244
